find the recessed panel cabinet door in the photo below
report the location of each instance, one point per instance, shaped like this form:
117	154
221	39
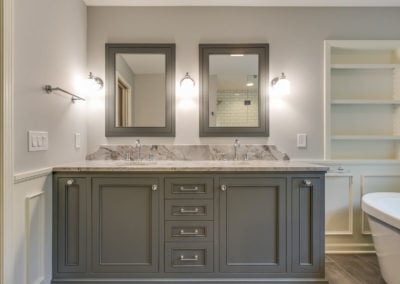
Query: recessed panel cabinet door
252	224
307	224
125	224
70	218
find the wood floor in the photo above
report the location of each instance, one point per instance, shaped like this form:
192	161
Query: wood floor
353	269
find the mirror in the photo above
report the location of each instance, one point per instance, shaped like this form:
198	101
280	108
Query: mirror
233	83
140	90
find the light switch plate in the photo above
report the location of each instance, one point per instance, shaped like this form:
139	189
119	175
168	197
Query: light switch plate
301	140
38	141
77	140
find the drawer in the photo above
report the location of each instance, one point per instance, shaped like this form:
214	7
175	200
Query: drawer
189	257
195	187
189	210
189	231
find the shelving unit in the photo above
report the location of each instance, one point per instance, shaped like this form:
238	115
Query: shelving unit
362	100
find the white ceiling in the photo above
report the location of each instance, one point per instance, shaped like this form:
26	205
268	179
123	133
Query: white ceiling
258	3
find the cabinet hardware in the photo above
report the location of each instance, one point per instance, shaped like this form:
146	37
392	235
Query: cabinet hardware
185	233
70	182
182	188
307	182
154	187
223	187
183	210
195	258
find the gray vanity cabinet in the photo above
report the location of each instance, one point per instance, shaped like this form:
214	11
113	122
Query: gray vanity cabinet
256	227
69	220
252	224
125	224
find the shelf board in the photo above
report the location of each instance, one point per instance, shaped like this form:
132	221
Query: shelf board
366	137
365	102
364	66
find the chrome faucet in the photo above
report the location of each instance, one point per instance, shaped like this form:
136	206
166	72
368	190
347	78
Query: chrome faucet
236	145
138	147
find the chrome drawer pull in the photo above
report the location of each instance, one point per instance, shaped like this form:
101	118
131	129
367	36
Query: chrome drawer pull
182	258
183	210
307	182
185	233
223	187
182	188
70	182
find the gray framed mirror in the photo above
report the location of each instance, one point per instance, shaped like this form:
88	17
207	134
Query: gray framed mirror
140	90
233	90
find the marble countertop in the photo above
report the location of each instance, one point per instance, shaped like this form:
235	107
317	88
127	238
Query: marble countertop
189	166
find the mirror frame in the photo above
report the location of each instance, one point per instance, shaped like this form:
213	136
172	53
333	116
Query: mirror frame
169	51
205	50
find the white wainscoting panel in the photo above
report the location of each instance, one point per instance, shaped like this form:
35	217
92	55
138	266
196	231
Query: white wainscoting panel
32	215
339	204
35	228
377	183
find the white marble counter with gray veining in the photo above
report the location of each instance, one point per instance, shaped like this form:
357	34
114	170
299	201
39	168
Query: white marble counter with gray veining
189	166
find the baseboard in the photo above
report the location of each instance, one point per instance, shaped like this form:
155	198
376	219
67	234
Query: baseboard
349	248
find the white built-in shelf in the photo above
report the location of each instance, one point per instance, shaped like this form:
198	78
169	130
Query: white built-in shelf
364	66
366	137
365	102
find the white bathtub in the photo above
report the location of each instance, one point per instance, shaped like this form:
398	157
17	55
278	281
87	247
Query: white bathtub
383	210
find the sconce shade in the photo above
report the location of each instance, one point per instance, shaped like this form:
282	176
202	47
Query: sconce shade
281	85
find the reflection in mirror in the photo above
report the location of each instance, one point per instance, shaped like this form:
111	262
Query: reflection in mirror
140	90
233	90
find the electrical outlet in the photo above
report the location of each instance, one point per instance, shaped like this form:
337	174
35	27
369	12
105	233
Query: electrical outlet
301	140
38	141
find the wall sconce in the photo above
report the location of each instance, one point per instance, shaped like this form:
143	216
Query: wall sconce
187	81
96	83
281	85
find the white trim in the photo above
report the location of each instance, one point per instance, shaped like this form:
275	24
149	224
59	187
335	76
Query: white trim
7	138
327	99
243	3
350	230
30	175
349	248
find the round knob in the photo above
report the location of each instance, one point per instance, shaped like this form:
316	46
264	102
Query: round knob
70	182
154	187
307	182
223	187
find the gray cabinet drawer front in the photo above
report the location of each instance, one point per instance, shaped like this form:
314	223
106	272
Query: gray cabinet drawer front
192	187
189	210
189	257
189	231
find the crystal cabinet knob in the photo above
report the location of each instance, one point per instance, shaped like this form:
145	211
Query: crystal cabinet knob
70	182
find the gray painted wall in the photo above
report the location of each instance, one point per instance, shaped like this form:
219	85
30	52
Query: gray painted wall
50	48
296	37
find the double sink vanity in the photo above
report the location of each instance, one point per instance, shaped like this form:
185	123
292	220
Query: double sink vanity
199	221
188	213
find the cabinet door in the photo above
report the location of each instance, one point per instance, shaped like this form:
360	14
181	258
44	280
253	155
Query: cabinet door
252	224
307	221
125	224
70	215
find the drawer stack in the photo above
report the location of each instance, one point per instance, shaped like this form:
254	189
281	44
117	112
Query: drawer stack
189	224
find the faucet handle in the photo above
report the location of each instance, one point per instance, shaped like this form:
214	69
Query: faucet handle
138	142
